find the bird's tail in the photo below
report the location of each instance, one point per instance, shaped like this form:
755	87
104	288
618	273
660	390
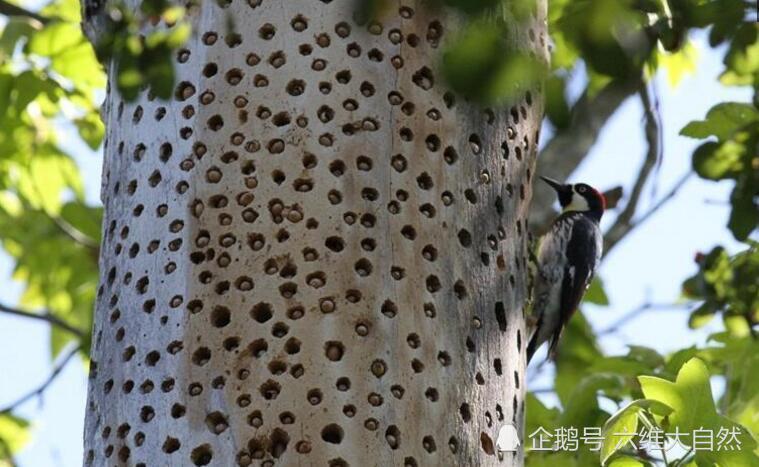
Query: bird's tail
532	347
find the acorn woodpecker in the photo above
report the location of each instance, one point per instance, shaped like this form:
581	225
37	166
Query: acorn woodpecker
567	259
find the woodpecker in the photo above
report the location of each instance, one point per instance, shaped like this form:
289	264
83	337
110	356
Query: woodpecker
567	259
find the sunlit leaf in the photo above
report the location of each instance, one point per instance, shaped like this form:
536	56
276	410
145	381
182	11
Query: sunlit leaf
14	433
67	10
680	63
80	65
743	67
626	461
715	161
690	398
55	38
618	431
48	174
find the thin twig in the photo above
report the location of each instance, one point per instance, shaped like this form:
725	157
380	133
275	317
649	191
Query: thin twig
716	202
611	243
670	194
44	316
637	312
42	387
9	9
75	234
624	221
543	390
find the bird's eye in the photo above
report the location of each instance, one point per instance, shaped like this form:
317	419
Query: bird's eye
581	189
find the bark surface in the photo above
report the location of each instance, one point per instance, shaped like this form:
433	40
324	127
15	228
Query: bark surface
314	254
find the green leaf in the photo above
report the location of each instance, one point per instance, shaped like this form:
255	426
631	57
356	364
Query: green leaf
29	85
153	7
645	355
680	63
15	29
66	10
91	129
582	408
702	315
742	60
622	427
160	77
690	396
472	7
55	38
722	121
14	434
618	431
741	400
596	293
470	59
540	415
557	109
693	408
714	161
626	461
48	174
744	216
480	64
79	64
85	219
6	88
676	360
554	459
577	353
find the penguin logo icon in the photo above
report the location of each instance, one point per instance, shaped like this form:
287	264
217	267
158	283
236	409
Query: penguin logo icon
508	439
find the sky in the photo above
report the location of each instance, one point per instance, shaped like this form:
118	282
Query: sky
649	266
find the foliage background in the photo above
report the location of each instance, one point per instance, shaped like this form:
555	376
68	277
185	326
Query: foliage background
638	322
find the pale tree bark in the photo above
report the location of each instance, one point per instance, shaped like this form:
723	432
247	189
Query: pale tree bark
314	254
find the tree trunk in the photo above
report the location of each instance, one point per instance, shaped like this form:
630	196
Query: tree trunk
314	254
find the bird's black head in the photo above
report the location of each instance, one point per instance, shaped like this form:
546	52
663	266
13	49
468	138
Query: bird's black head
579	197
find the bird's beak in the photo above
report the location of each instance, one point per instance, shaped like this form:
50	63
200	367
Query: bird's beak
559	187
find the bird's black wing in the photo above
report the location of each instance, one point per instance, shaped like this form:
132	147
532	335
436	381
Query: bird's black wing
582	255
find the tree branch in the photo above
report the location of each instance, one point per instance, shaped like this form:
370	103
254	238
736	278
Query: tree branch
42	387
9	9
45	316
623	224
567	149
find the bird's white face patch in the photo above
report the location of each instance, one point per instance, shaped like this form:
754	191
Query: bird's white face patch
579	203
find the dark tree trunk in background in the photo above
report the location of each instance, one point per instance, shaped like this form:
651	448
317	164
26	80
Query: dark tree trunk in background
314	254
